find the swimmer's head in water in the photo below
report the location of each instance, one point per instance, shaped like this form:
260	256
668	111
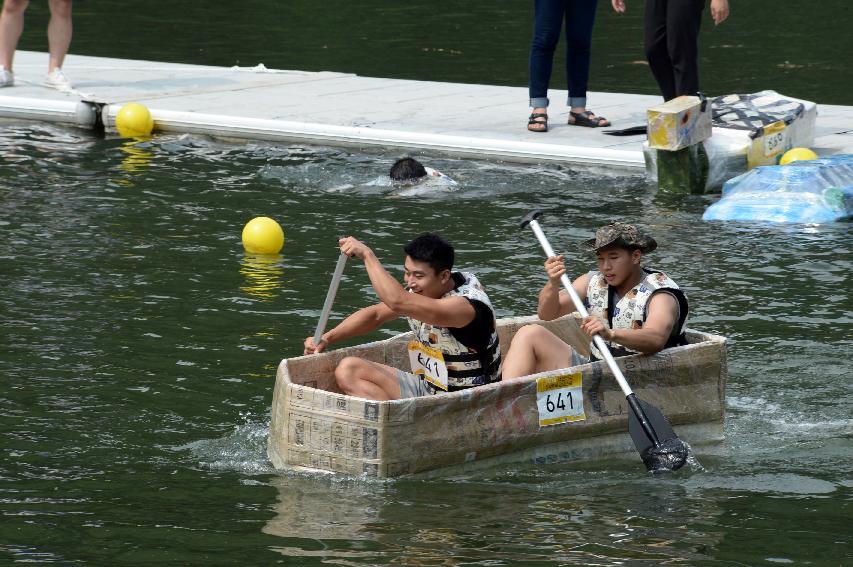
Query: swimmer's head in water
407	170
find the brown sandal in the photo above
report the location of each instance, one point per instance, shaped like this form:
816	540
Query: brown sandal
536	118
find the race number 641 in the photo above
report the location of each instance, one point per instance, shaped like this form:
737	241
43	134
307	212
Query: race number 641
559	399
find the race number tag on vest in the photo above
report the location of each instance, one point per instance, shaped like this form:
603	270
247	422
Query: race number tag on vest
560	399
428	363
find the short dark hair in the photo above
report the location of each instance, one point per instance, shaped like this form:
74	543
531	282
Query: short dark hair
407	169
432	249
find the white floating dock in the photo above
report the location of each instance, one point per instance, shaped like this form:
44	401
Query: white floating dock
343	109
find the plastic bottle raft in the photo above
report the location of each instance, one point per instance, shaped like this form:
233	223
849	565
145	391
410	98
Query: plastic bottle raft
813	191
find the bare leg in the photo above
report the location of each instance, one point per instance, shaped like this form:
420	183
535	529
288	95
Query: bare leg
365	379
11	26
59	32
535	349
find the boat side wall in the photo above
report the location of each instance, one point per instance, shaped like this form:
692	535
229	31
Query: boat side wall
498	419
309	410
312	427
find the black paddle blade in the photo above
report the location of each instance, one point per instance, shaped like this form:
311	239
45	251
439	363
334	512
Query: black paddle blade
630	131
531	216
670	454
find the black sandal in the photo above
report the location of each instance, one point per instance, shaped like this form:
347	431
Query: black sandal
588	119
534	119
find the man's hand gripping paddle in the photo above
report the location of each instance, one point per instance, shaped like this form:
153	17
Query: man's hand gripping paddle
330	298
658	445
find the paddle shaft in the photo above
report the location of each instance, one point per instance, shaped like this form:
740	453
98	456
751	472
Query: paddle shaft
599	342
330	298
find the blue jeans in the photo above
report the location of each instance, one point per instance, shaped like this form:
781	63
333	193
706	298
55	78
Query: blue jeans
580	17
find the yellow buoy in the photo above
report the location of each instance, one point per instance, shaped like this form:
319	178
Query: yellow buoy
262	235
134	121
797	154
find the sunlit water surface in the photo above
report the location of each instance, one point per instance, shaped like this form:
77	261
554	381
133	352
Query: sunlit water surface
140	344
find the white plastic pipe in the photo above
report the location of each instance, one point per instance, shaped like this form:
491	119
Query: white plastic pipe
75	112
83	114
330	298
286	130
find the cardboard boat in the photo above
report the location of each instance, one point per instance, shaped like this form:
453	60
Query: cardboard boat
316	427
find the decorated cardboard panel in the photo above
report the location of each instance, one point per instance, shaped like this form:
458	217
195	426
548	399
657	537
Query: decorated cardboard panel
559	412
679	123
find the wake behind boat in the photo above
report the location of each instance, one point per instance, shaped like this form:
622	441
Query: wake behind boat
316	427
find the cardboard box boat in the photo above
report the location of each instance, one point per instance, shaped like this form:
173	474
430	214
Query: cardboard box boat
316	427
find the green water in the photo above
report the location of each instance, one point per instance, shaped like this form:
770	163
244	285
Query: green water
139	342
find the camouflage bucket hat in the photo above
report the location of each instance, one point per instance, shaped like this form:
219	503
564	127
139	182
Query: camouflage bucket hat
622	235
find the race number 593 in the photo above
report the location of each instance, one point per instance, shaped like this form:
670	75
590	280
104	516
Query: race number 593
560	399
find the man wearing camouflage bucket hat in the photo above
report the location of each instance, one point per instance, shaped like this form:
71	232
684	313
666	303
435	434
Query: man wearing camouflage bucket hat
634	309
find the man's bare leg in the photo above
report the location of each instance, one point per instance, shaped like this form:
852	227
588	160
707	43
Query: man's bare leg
365	379
535	349
59	32
11	26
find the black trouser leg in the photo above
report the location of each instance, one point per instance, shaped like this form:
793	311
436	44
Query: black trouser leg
684	17
671	42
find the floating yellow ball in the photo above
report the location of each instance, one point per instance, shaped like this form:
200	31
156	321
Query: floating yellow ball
797	154
262	235
134	121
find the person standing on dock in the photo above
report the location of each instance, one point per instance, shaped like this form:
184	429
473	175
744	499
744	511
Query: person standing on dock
672	41
633	308
579	16
58	36
455	344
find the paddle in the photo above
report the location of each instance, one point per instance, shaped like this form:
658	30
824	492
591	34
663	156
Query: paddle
330	298
658	445
629	131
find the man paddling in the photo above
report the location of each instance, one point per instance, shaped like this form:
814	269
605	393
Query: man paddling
456	343
634	309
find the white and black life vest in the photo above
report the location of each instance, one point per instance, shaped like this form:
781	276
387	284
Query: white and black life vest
466	367
631	310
